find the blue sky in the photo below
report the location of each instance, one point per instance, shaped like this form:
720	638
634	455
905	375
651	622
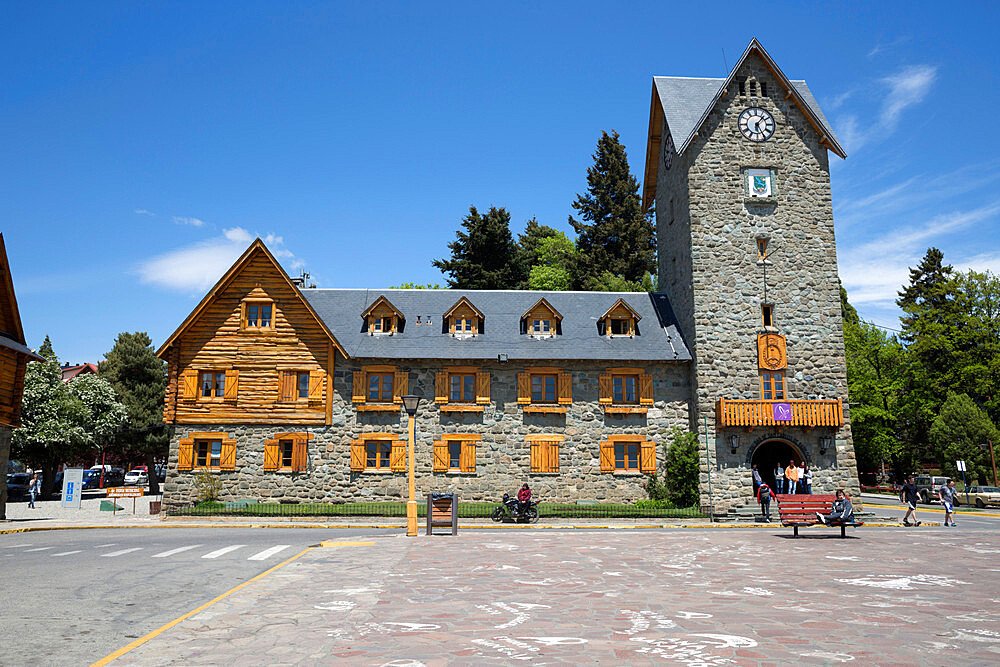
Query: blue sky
146	144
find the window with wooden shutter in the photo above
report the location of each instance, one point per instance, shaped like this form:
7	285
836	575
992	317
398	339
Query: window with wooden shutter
565	388
544	452
604	389
357	455
228	459
645	389
401	387
607	456
257	314
468	460
379	388
288	382
482	388
441	387
524	388
398	457
316	381
647	457
232	385
456	452
189	385
185	454
630	391
271	455
358	393
628	453
440	456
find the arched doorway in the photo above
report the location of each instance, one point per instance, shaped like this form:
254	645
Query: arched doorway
771	453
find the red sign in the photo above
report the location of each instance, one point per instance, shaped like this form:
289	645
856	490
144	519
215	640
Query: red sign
782	412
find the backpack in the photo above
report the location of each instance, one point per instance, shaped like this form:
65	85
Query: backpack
764	493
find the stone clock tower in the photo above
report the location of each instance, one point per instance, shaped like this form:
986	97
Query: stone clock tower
738	170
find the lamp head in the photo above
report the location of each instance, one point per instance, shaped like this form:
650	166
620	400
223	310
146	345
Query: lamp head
410	403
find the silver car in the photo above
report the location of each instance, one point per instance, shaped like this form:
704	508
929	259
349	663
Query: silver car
136	478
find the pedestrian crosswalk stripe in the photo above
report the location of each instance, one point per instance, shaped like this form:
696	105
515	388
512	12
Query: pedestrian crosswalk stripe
119	553
101	546
39	549
66	553
267	553
15	546
176	551
223	551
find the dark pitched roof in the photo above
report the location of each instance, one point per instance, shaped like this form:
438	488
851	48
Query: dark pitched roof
659	338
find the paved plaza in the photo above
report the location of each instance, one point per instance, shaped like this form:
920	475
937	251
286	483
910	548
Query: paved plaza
694	597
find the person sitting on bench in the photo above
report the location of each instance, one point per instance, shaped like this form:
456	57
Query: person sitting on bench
841	512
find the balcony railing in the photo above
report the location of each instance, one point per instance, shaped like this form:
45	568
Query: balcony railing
808	414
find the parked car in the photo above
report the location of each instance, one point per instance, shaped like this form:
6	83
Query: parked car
980	496
112	477
927	487
17	485
136	477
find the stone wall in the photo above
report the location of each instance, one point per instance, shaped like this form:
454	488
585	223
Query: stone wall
502	457
719	307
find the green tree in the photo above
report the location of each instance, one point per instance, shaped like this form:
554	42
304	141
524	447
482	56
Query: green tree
979	367
608	282
556	255
614	234
484	256
956	434
416	286
847	312
683	470
139	378
52	419
102	415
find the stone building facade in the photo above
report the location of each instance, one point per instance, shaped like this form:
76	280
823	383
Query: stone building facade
711	225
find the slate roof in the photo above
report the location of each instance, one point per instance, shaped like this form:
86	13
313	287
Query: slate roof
659	338
685	101
11	344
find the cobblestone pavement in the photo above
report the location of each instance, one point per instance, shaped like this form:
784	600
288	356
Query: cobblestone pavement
695	597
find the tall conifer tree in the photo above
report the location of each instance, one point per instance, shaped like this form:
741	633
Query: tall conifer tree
614	235
485	255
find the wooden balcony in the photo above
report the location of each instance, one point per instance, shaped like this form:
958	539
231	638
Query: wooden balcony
805	414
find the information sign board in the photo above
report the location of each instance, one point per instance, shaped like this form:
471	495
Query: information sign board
72	486
960	465
781	412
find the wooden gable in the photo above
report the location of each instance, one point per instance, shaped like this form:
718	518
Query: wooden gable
542	308
621	309
463	309
10	319
255	360
14	354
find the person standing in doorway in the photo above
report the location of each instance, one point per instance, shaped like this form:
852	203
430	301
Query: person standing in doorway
757	481
911	498
792	477
947	495
34	490
806	481
779	478
764	495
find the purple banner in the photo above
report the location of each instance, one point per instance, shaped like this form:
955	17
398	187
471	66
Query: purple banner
782	412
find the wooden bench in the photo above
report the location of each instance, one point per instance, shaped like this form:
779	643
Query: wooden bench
800	510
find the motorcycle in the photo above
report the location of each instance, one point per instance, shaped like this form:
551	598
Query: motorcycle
510	507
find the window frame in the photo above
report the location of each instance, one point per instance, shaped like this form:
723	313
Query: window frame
257	326
542	379
382	451
563	390
772	382
767	315
443	380
645	451
361	385
211	462
467	443
624	378
386	445
188	450
216	375
381	388
541	457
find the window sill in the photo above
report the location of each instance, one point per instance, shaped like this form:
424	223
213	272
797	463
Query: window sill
286	471
455	473
628	473
545	409
549	473
760	201
456	407
626	409
258	330
377	407
378	471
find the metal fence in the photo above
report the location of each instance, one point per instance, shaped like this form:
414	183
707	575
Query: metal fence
466	510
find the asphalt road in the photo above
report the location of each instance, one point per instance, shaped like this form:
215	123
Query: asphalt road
78	595
891	507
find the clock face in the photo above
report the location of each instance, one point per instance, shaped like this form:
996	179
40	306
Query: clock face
668	152
756	124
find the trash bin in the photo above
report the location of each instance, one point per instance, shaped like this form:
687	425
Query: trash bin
154	506
442	511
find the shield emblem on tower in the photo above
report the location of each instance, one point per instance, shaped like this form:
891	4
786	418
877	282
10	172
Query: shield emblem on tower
760	184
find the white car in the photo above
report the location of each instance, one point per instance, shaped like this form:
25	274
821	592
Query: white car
136	477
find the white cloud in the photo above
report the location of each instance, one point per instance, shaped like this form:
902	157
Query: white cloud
982	262
142	211
183	220
906	88
197	267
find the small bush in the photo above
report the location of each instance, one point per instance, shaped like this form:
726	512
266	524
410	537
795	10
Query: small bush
682	469
654	504
656	489
207	487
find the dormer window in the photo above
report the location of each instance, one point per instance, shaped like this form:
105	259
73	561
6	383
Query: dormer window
541	320
463	319
619	320
257	312
382	318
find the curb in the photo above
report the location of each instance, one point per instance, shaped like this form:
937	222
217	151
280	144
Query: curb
934	510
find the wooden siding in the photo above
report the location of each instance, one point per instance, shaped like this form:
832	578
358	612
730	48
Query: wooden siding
12	366
214	341
828	413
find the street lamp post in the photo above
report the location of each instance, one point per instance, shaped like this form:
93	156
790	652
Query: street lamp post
410	403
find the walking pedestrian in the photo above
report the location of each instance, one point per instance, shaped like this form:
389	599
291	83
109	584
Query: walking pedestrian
807	480
947	495
779	478
757	481
792	477
764	495
34	490
911	498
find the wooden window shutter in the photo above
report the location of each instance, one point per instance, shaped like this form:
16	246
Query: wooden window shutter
536	456
467	459
397	456
483	388
524	388
647	456
400	386
185	455
189	385
288	380
552	460
357	455
270	455
605	389
300	454
316	381
565	388
232	385
441	387
440	456
645	389
227	461
359	393
607	456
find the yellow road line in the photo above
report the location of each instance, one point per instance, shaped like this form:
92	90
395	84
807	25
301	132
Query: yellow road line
334	543
932	510
155	633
